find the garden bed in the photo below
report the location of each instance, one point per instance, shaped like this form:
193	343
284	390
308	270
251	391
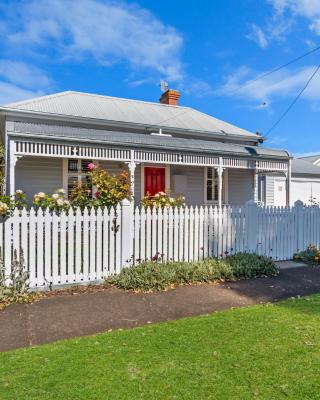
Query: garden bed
154	276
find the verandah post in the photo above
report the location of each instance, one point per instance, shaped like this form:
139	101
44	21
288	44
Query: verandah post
252	229
127	232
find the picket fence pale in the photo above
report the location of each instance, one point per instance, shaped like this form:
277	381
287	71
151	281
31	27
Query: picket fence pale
63	248
86	246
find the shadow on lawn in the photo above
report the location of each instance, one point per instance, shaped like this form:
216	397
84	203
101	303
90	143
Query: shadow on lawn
292	282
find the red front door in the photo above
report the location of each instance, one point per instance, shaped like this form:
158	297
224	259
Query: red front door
154	180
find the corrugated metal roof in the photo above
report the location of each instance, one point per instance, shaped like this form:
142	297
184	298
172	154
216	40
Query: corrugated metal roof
311	159
300	166
107	108
145	140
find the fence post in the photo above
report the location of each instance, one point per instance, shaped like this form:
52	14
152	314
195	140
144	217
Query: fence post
251	226
298	210
127	232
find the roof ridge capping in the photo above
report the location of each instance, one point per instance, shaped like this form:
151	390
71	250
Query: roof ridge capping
66	92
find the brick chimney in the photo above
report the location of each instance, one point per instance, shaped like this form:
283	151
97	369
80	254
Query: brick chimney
170	97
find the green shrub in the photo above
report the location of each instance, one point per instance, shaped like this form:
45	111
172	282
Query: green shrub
249	265
14	288
310	256
154	275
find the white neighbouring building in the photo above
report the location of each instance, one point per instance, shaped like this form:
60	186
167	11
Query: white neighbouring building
305	183
50	140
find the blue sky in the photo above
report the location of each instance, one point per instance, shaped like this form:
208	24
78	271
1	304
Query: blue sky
206	49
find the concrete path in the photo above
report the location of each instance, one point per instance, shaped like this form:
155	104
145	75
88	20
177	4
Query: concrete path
67	316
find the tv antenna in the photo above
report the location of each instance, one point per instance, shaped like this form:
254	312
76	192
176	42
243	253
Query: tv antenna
164	86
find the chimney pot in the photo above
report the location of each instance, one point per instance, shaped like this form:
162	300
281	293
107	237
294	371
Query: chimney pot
170	97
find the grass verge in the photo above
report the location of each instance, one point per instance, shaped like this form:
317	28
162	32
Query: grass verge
261	352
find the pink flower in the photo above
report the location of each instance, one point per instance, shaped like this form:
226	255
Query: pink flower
91	166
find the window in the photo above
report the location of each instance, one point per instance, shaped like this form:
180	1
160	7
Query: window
211	185
77	174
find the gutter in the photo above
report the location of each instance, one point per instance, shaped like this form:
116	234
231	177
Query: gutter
139	145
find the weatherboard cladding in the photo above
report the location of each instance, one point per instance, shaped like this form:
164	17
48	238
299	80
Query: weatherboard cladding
195	183
240	186
144	140
38	174
270	182
91	106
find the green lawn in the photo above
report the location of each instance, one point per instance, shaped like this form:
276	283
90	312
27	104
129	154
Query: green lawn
261	352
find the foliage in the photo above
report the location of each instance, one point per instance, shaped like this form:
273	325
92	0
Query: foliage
310	256
80	196
56	202
9	203
111	189
262	352
156	275
14	288
162	199
250	265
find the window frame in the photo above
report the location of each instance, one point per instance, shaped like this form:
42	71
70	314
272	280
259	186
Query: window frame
225	185
79	172
215	189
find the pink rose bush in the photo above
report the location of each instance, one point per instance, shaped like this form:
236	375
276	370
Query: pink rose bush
91	166
108	190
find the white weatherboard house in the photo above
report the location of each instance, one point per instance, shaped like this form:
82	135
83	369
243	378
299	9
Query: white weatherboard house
50	140
305	183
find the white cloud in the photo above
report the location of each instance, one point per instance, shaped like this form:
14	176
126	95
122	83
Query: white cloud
282	84
198	88
274	28
309	9
258	36
10	93
310	43
107	32
277	140
24	75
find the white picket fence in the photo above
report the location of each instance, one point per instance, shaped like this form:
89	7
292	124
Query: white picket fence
86	246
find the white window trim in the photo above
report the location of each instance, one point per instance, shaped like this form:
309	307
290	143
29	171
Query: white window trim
225	187
167	176
205	187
